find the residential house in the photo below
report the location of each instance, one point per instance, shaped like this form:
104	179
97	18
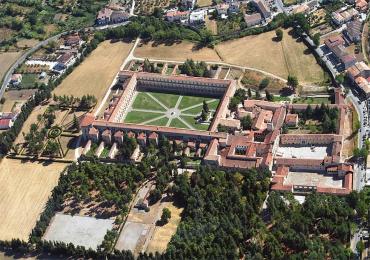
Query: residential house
291	120
360	77
177	16
253	19
262	8
353	30
222	9
16	79
5	123
73	40
234	8
103	16
189	4
119	16
197	17
63	62
361	6
342	16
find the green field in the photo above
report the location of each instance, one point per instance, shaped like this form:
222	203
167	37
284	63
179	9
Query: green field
148	108
140	117
178	123
144	101
311	100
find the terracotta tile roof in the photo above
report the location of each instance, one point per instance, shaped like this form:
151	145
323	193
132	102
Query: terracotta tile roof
87	120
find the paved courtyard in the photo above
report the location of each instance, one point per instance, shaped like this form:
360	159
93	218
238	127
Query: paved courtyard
313	179
163	109
83	231
303	152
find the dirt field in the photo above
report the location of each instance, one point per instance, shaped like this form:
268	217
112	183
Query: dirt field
202	3
162	234
97	72
6	60
15	96
177	52
280	58
25	188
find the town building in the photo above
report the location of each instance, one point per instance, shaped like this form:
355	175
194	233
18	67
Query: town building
177	16
353	31
197	17
344	15
262	8
253	19
16	80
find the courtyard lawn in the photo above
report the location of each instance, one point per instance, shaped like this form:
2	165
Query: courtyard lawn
191	121
29	80
311	100
178	123
160	122
137	117
193	111
169	100
144	101
188	101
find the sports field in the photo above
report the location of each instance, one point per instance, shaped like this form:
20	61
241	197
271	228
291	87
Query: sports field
162	109
25	188
96	73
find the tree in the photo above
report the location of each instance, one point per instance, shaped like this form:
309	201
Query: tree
316	39
360	247
292	82
249	93
205	106
246	122
204	115
75	123
269	96
258	95
166	215
279	34
264	83
147	66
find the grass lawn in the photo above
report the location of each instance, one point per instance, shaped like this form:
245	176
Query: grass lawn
193	111
29	80
290	56
311	100
169	100
188	101
160	122
191	121
290	2
96	73
140	117
178	123
144	101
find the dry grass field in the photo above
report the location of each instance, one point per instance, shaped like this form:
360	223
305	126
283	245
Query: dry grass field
280	58
25	188
176	52
96	73
211	25
6	60
162	234
202	3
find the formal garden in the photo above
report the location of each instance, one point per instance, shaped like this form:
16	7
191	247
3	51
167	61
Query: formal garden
173	110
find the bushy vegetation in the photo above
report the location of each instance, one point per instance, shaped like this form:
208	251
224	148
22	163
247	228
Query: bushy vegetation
197	69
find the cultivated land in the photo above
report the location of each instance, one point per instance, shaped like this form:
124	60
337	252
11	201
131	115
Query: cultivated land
96	73
6	60
176	52
280	58
162	109
25	188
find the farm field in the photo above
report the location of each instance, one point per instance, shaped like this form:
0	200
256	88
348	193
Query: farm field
6	60
162	234
177	52
96	73
25	188
162	109
286	57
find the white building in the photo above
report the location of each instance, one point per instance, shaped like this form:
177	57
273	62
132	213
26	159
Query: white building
197	17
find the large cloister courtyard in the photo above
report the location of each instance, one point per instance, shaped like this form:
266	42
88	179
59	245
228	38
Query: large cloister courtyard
173	110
